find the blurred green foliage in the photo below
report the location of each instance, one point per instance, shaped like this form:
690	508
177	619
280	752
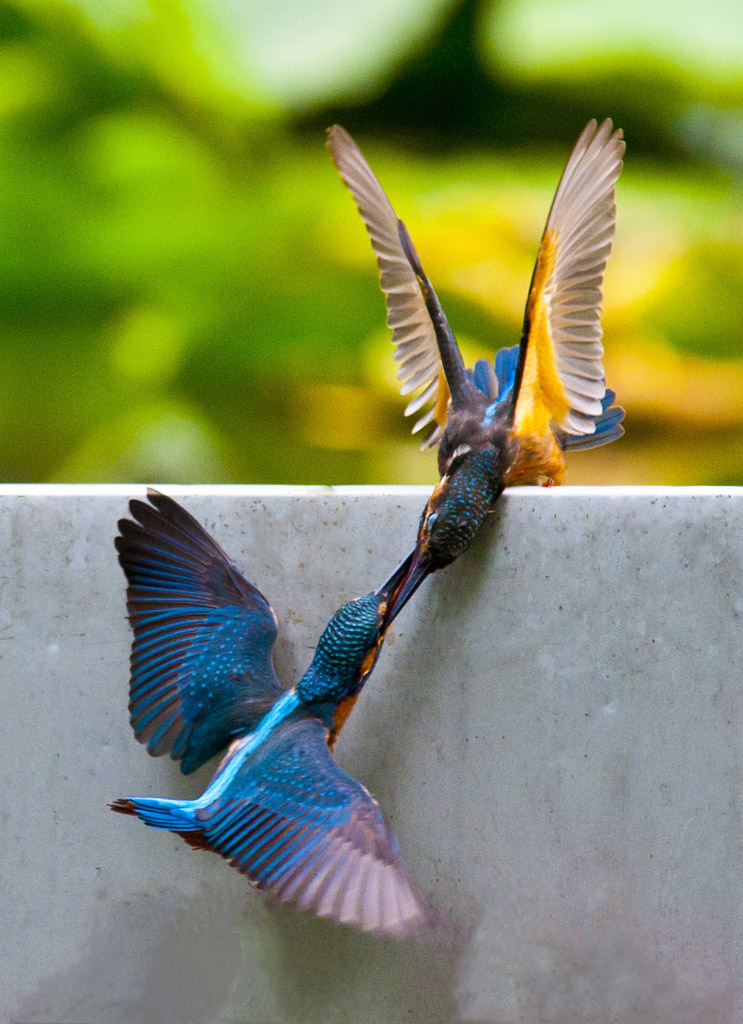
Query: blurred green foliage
186	293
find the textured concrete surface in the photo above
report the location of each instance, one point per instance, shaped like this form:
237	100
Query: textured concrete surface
554	729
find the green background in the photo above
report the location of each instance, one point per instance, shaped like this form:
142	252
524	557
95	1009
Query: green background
187	293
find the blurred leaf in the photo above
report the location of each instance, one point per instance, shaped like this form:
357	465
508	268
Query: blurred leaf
284	52
187	292
303	53
712	134
166	442
24	79
576	37
708	280
147	346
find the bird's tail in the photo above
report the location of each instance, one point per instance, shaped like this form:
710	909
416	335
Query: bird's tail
494	379
504	367
608	427
176	815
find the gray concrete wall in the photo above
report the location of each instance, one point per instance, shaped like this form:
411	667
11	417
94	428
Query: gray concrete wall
554	730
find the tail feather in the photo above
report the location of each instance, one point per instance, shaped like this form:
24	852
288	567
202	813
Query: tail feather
175	815
494	379
608	427
608	424
484	379
506	361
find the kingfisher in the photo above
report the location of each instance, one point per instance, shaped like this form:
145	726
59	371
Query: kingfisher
510	422
279	808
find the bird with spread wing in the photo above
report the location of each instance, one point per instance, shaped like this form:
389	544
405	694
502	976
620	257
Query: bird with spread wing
279	808
510	422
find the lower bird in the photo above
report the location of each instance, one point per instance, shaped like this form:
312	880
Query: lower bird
279	808
508	423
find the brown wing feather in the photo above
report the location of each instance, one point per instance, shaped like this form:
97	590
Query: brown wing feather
413	333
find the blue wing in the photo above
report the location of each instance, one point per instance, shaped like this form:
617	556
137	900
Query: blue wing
302	829
201	666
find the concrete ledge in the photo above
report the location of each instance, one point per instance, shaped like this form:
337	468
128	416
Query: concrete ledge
554	730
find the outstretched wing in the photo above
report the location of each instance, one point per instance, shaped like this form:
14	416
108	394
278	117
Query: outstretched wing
413	332
560	375
302	829
201	666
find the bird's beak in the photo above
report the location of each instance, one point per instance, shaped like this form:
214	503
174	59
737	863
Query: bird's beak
391	584
402	584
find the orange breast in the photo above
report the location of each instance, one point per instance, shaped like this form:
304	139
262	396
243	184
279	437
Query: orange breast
539	460
345	705
344	709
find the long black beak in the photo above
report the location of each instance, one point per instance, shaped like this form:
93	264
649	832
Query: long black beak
392	582
402	584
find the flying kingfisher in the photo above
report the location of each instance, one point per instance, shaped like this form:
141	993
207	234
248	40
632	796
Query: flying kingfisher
279	808
509	423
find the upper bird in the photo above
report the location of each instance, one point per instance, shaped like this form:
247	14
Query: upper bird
509	423
279	808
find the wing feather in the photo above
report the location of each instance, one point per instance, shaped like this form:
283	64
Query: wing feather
413	333
201	659
304	830
563	316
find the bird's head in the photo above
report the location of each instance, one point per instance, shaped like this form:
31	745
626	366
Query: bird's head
454	513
